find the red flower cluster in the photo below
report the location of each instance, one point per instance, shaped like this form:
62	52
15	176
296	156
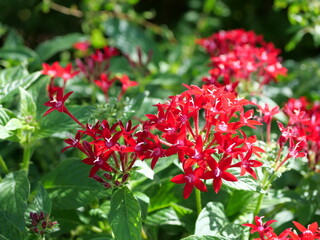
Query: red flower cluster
97	63
266	232
207	147
114	150
305	118
240	56
95	68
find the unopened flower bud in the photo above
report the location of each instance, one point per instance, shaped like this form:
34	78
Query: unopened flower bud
125	177
107	176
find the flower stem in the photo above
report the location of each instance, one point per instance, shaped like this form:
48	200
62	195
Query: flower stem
3	165
198	201
27	152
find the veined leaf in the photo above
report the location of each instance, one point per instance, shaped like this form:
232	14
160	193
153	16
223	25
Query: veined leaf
69	186
41	201
57	122
13	78
125	216
211	219
193	237
14	194
27	104
51	47
246	183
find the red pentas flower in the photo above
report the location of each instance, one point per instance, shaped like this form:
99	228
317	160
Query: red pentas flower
191	178
82	46
203	126
56	70
312	232
241	56
304	119
126	83
57	100
261	228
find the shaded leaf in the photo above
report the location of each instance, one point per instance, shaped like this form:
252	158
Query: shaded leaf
51	47
125	216
211	219
69	186
41	201
14	194
128	37
57	122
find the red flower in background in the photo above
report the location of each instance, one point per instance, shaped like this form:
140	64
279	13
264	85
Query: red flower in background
241	56
56	102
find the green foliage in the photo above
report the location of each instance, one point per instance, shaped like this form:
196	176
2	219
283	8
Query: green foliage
71	189
49	48
125	215
14	194
304	15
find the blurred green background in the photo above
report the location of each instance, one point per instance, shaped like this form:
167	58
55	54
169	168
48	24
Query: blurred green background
278	21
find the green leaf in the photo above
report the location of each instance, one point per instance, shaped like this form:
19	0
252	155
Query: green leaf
69	186
13	39
125	216
239	202
13	78
211	219
49	48
57	122
7	130
232	231
165	216
21	54
27	105
41	201
193	237
5	115
14	195
246	183
128	37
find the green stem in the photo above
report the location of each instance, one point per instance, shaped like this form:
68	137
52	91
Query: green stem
3	165
198	201
27	152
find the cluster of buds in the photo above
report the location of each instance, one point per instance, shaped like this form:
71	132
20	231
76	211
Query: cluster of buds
266	232
304	117
41	224
239	56
203	126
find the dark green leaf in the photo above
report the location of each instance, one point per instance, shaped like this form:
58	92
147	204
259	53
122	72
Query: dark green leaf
69	186
51	47
125	216
57	122
13	39
128	37
41	201
14	194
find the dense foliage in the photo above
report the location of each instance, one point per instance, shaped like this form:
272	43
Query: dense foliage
130	123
